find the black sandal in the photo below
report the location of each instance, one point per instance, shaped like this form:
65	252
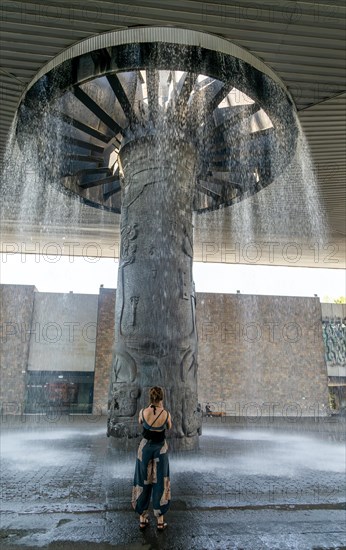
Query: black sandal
143	524
161	526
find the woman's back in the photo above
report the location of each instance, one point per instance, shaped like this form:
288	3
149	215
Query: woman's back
158	420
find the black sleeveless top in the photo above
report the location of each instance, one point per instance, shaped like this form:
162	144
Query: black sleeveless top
152	433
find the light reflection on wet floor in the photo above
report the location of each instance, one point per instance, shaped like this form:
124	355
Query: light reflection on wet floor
232	451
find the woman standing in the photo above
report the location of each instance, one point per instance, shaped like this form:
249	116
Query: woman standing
152	466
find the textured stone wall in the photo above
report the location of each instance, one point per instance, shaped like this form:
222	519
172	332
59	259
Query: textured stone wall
104	348
16	311
258	355
261	355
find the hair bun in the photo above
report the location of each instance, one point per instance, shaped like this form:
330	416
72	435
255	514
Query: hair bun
156	394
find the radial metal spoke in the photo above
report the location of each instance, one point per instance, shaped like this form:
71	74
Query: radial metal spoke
120	94
234	117
180	102
221	188
85	158
212	180
235	113
204	95
153	93
83	127
97	110
230	154
132	87
97	182
90	171
220	96
83	144
112	189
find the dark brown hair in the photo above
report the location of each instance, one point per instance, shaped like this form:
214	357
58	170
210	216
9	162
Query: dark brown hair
155	394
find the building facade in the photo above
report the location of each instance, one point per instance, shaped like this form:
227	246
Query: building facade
258	355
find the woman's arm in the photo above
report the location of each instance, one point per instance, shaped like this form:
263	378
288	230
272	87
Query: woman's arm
169	421
140	418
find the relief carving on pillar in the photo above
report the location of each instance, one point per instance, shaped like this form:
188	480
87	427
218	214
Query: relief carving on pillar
184	282
147	346
134	303
124	368
125	392
122	408
177	405
128	251
151	372
192	417
124	399
188	366
152	252
187	243
138	183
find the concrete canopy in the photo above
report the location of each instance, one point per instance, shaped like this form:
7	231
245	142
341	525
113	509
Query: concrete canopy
302	42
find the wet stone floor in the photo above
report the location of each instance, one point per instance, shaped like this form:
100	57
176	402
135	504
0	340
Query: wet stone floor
64	486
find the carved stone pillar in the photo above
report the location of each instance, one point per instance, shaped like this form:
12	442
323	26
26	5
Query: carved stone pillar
156	338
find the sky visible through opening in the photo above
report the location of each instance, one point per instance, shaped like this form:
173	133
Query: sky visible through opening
85	275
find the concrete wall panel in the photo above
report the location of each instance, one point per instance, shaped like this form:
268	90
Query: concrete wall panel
63	332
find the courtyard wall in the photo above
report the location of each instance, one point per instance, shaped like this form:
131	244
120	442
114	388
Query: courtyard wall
261	355
16	311
258	355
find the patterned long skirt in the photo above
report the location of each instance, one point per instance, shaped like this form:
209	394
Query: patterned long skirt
151	477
